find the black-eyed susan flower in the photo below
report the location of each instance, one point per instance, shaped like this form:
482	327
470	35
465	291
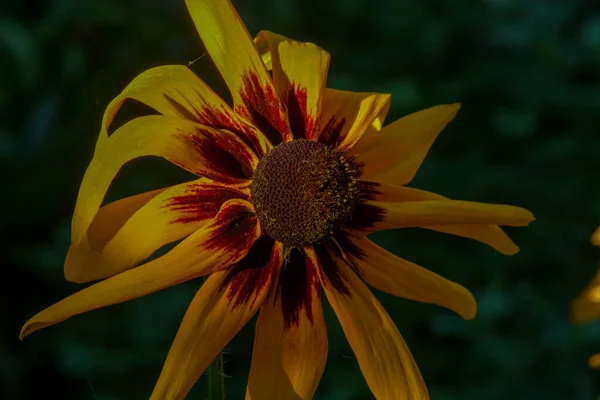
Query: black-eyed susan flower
291	179
585	307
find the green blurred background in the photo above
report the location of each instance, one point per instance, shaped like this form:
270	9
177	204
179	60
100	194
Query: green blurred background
528	76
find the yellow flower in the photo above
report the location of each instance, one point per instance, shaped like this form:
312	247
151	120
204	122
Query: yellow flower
292	178
586	306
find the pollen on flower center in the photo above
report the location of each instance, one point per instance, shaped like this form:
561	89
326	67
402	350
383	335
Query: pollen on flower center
304	191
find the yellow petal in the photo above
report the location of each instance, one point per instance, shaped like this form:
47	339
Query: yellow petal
299	75
385	271
222	242
172	214
176	91
382	354
222	306
594	361
586	306
231	48
491	235
596	237
395	154
216	154
290	346
266	42
347	116
440	212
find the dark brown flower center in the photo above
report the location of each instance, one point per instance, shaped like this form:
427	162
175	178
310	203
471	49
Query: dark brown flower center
304	191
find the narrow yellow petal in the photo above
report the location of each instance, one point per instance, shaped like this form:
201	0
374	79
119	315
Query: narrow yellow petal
230	46
219	155
446	212
596	237
214	245
395	154
385	271
491	235
382	354
174	90
222	306
347	116
290	346
171	215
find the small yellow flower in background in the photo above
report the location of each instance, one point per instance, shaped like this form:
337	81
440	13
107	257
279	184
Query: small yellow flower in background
291	179
586	306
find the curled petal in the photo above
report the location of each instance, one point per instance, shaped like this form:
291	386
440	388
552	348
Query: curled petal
290	346
347	116
216	154
230	46
491	235
299	75
224	241
222	306
382	354
385	271
114	245
395	154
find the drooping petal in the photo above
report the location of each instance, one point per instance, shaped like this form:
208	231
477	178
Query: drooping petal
222	306
299	75
230	46
224	241
347	116
176	91
218	155
585	307
290	346
381	216
172	214
491	235
382	354
394	154
385	271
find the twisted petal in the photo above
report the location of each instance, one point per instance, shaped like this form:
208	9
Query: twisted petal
222	242
176	91
395	154
382	354
491	235
299	75
230	46
385	271
216	154
120	237
222	306
348	115
290	346
381	215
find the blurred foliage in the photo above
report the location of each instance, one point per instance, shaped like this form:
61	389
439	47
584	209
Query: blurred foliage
528	75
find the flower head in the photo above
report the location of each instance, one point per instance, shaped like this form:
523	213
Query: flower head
291	179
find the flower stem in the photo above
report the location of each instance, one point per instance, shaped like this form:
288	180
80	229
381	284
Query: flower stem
216	379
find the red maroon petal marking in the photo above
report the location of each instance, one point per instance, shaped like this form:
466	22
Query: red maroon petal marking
262	106
202	201
254	274
228	160
302	124
368	190
233	231
349	248
328	267
217	119
298	283
365	217
331	134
